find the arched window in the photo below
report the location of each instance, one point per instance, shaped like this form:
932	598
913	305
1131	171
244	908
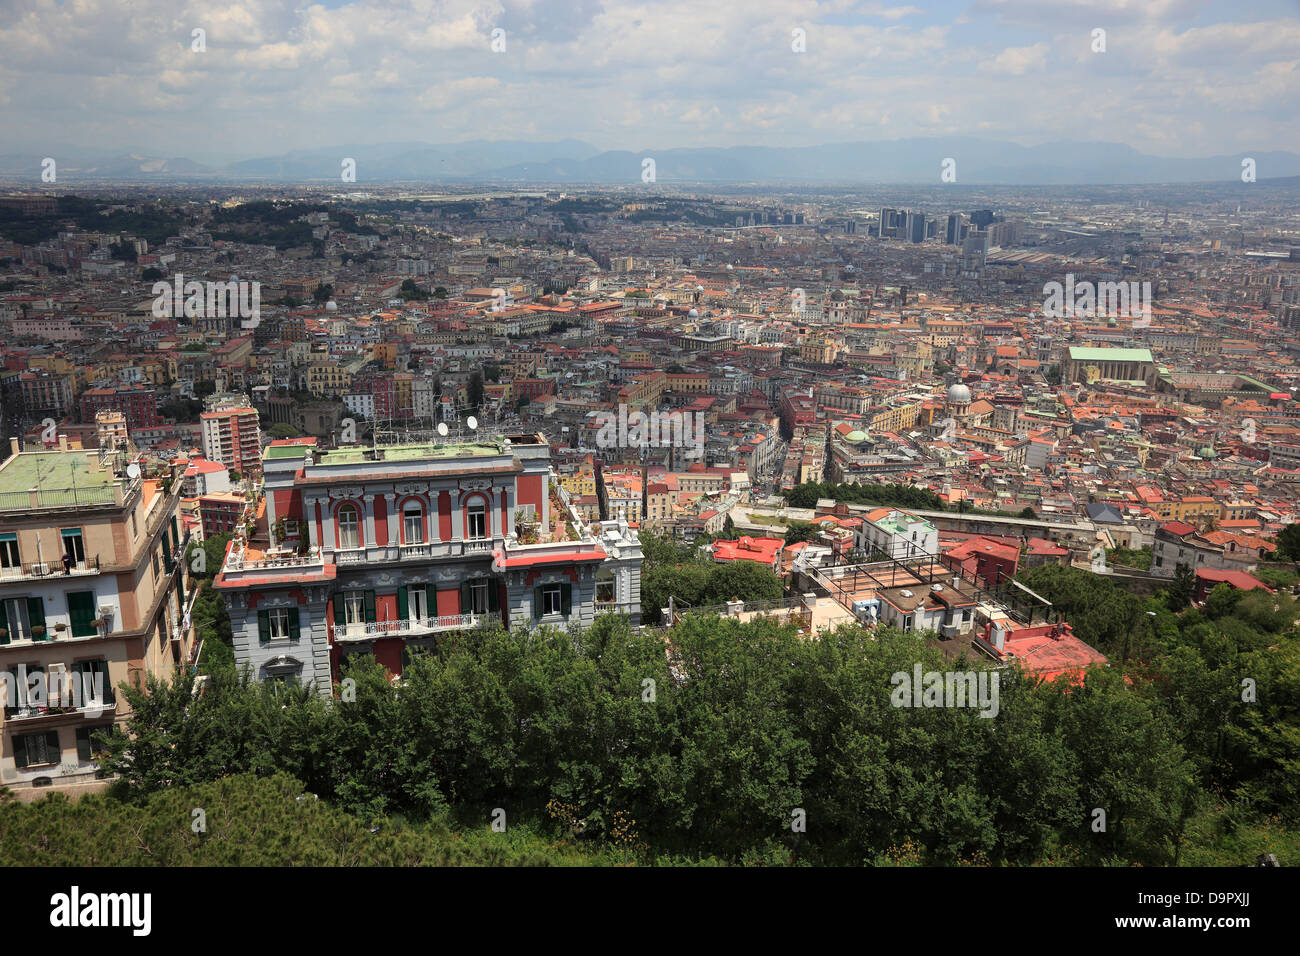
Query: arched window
412	523
349	527
476	516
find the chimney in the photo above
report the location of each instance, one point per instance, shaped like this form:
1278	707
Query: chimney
15	446
63	443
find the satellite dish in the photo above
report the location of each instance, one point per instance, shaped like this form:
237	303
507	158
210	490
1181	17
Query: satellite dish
442	429
133	470
472	422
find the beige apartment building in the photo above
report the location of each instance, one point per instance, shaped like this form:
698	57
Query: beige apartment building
92	594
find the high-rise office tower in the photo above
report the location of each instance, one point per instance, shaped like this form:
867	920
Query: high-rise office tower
916	226
952	234
888	222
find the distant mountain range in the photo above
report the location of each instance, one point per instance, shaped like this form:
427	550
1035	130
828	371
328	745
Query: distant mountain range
978	162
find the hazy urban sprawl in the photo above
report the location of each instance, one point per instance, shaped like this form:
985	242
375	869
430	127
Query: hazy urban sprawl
916	499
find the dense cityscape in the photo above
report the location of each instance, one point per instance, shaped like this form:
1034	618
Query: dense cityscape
470	508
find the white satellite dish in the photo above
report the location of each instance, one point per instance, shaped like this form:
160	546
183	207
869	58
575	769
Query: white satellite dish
442	429
472	422
133	470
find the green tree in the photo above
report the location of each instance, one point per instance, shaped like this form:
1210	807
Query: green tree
800	531
1288	542
741	580
1182	589
282	430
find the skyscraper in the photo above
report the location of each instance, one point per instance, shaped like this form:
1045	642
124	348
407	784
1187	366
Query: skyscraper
952	234
916	226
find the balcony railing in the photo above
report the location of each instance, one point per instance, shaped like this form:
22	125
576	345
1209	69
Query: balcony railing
91	709
237	561
413	628
49	569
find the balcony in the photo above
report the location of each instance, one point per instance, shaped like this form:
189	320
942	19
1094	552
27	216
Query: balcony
420	627
388	553
92	709
49	569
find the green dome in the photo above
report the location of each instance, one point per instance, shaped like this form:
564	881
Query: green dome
856	436
1206	452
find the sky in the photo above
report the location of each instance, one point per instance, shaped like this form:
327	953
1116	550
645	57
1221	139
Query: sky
1176	78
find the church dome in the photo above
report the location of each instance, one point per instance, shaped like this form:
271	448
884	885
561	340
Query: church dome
958	394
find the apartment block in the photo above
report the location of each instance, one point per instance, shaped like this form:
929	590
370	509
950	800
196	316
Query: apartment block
231	436
92	594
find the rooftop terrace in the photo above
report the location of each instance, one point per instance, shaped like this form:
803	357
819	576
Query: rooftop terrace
420	452
62	478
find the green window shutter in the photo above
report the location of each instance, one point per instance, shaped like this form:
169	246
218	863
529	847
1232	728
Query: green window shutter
294	627
53	752
403	606
566	598
370	607
4	624
83	743
81	611
20	751
340	612
36	616
176	535
466	599
263	626
537	601
494	597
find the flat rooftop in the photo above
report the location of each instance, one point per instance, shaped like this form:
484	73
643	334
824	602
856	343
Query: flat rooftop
63	477
422	452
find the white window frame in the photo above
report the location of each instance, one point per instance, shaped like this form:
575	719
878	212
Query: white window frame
349	535
354	601
477	509
412	520
478	597
278	623
417	604
555	590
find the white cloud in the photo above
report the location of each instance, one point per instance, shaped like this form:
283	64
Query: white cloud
278	75
1017	61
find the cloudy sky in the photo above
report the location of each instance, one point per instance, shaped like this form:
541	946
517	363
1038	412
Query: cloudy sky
1177	78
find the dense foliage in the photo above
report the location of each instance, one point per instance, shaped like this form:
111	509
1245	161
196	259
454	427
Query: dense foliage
807	495
250	821
751	724
686	573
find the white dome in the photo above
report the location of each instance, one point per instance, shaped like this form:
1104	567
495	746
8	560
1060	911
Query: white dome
693	314
958	394
331	306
